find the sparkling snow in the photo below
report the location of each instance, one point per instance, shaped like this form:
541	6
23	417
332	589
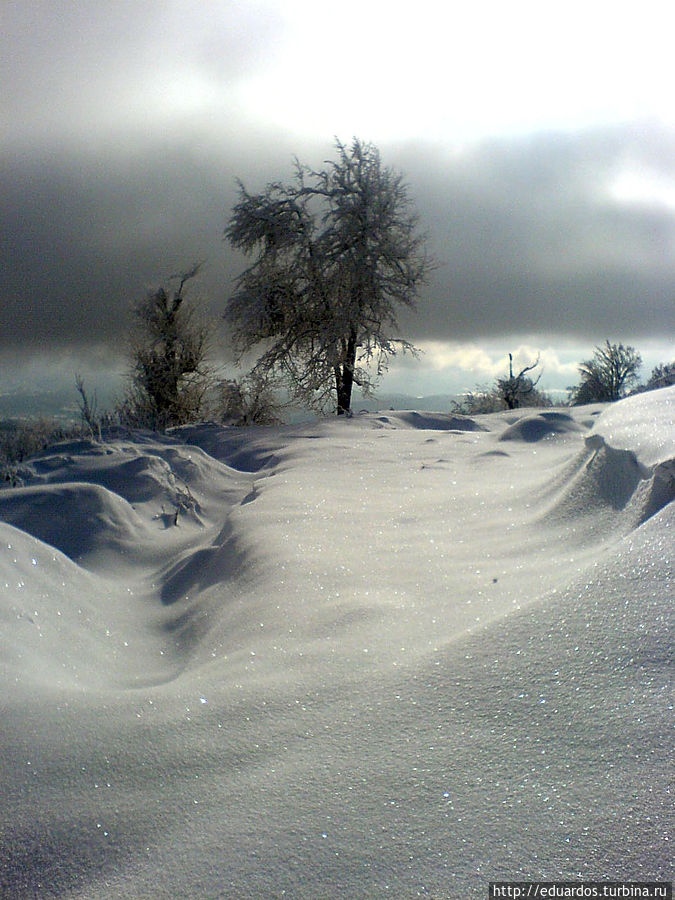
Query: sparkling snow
399	655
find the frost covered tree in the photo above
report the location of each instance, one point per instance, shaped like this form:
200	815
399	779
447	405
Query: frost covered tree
514	390
510	392
248	401
335	253
608	375
662	375
170	376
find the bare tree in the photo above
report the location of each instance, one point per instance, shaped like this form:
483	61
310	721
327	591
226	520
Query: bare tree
170	376
662	375
608	375
515	389
334	254
511	392
88	408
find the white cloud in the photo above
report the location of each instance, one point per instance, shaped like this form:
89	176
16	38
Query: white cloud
489	362
454	72
641	187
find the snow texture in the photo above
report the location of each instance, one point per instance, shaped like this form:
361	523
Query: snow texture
398	655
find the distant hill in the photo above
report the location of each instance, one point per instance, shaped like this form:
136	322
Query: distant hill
433	402
62	404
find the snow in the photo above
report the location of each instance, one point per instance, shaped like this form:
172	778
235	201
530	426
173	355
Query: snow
643	424
402	654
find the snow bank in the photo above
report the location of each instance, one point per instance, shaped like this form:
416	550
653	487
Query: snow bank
643	424
81	520
395	655
539	426
429	421
626	470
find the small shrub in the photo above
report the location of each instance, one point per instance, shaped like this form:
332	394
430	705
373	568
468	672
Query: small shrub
170	376
490	400
20	440
249	401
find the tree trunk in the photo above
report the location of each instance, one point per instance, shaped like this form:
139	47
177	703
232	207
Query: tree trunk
344	376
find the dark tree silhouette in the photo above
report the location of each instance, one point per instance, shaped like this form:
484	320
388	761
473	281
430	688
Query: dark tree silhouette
170	375
662	375
515	389
608	375
335	253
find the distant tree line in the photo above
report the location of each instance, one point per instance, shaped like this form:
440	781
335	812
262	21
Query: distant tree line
609	375
612	373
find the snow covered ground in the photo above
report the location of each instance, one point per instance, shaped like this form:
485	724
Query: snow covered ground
402	655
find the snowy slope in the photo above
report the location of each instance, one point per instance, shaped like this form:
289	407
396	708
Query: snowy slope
398	655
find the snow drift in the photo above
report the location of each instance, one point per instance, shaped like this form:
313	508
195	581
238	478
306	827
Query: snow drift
400	655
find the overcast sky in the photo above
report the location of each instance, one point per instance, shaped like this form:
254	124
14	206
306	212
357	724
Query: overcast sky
537	140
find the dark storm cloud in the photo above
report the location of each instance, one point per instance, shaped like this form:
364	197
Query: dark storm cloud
122	133
526	235
117	155
525	231
86	236
530	239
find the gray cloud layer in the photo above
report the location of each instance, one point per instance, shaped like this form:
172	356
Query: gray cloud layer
107	188
526	238
531	240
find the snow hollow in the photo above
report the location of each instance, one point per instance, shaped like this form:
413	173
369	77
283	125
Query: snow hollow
398	655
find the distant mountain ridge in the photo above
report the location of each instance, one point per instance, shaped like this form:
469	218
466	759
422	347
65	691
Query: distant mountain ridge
431	402
63	404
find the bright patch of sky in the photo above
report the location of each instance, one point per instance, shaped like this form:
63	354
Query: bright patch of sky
644	188
460	71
